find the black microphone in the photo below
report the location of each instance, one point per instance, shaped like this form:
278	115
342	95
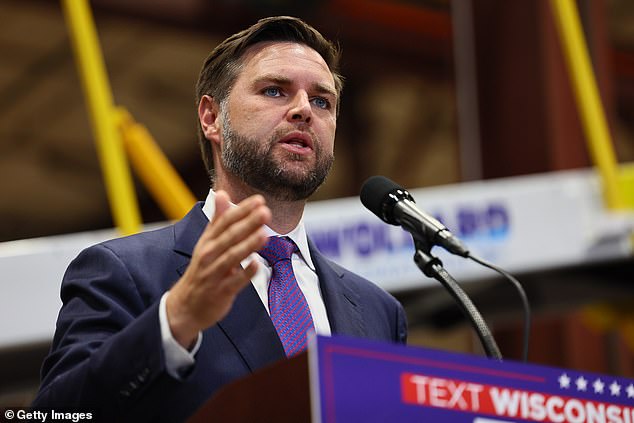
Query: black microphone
394	205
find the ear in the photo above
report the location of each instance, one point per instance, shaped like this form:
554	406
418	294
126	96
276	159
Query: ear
208	112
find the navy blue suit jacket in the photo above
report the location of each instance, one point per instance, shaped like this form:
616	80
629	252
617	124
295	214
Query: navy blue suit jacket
107	352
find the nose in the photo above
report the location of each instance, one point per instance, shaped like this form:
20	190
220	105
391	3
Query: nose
300	110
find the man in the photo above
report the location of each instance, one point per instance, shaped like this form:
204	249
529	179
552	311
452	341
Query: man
153	324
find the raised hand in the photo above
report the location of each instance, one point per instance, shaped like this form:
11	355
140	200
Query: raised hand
214	277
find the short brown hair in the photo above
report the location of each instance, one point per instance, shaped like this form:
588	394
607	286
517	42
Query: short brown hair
221	68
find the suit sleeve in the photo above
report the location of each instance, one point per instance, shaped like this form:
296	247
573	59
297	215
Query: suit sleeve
106	353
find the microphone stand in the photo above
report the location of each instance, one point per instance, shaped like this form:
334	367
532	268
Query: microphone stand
432	267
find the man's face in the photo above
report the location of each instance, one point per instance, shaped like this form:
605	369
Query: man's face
278	124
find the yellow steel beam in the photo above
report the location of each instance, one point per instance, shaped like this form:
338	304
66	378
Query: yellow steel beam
588	100
626	177
155	171
92	72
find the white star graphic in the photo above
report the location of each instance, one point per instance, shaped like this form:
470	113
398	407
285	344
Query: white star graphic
615	389
630	391
582	383
598	386
564	381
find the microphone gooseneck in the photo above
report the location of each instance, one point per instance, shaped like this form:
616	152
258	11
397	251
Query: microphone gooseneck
394	205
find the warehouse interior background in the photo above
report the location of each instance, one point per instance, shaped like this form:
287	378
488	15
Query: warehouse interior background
408	112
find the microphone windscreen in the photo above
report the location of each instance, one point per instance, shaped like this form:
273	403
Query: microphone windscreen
374	193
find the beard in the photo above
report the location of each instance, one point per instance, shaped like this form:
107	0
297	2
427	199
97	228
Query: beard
254	163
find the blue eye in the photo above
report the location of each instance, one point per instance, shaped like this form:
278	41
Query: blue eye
321	102
272	92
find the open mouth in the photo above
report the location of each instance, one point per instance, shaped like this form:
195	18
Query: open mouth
297	142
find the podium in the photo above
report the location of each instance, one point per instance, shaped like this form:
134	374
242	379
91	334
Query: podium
355	380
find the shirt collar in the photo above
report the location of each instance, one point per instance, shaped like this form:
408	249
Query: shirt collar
298	235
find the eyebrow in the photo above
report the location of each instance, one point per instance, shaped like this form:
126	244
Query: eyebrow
284	81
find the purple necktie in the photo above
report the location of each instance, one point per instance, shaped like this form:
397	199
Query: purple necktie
288	307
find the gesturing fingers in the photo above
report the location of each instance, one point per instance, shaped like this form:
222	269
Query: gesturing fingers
238	278
253	208
232	235
207	289
214	262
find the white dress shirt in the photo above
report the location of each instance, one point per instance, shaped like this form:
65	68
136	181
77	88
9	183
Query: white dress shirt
179	359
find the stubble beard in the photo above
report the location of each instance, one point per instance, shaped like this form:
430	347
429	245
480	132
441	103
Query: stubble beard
253	162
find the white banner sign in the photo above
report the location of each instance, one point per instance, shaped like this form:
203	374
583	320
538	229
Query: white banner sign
521	224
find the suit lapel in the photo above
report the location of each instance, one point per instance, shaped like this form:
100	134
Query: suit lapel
247	325
251	331
342	303
186	234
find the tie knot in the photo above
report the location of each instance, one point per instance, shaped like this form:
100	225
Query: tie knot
277	249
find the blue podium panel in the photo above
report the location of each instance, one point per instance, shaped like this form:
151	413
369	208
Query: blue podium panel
356	380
